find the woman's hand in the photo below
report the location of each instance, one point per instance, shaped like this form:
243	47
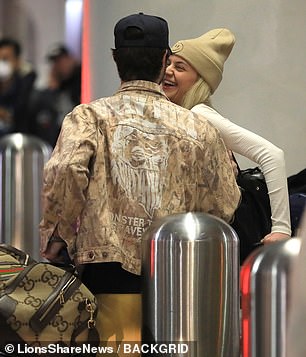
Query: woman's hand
275	237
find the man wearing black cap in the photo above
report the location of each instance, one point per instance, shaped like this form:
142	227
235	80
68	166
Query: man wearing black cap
66	72
120	163
63	93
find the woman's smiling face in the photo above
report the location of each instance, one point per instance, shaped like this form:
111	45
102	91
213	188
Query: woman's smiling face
180	76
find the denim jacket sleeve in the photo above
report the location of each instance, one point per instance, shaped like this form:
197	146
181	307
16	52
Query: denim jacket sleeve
66	177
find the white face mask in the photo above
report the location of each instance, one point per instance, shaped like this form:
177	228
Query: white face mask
6	70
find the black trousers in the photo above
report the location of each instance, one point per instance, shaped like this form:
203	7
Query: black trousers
110	278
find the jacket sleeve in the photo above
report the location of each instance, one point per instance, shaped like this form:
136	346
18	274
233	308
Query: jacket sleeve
66	177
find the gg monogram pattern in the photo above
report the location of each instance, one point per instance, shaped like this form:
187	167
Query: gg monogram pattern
48	304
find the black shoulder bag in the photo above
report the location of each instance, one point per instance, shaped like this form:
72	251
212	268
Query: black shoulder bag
252	219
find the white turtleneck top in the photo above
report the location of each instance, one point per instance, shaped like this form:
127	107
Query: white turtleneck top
268	157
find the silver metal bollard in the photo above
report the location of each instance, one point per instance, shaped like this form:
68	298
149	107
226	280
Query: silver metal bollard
22	158
265	294
190	268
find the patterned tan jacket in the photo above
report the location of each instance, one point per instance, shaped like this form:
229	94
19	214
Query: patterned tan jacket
123	161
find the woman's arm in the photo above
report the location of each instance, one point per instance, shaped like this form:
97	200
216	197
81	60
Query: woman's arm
270	159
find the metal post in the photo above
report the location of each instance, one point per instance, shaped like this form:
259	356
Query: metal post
22	158
191	286
265	294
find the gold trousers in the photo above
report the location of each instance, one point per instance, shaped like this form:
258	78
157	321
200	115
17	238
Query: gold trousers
119	319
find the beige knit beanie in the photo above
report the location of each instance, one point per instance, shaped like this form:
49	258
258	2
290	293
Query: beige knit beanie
207	54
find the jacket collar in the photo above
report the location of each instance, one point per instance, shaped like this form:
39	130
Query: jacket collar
143	86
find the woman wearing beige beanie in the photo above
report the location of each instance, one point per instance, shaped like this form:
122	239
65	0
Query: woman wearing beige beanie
193	74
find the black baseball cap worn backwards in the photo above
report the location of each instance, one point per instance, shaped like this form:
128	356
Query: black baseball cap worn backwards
154	31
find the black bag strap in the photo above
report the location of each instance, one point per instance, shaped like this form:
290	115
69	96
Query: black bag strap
90	325
236	162
253	171
93	334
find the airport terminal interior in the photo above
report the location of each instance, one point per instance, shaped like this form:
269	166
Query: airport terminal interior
199	296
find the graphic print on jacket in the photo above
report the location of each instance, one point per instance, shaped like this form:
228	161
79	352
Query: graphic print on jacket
139	164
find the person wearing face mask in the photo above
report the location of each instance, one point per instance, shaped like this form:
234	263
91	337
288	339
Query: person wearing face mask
193	74
16	83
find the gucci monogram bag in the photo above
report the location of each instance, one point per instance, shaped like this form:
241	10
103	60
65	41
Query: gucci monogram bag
42	304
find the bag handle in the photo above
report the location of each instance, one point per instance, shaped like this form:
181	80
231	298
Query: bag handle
21	256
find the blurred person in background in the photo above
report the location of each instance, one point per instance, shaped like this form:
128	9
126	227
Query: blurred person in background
50	105
65	73
16	84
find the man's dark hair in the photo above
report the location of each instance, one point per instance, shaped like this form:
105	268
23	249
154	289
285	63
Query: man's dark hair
9	42
142	63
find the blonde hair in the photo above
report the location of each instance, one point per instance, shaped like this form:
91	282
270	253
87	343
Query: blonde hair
200	92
